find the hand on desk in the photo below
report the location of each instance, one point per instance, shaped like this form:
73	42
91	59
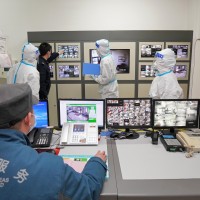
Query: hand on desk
101	155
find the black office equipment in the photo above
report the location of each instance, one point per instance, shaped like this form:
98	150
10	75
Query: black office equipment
171	143
128	113
172	114
41	136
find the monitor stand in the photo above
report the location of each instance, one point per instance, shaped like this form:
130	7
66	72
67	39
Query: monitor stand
130	134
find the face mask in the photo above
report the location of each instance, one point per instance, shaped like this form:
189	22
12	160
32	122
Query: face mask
31	127
155	68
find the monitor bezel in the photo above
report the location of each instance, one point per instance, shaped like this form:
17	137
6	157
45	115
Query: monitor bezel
180	43
69	44
128	127
68	63
149	43
61	99
151	63
47	104
176	127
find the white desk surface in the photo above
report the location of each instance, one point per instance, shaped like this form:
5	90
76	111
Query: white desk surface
109	191
139	159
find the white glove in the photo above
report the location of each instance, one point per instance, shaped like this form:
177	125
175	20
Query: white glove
93	77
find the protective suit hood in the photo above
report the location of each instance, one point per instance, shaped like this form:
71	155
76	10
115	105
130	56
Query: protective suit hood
165	60
102	47
30	53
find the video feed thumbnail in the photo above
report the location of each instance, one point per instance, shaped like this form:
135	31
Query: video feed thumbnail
70	51
180	71
68	71
77	113
128	112
175	113
181	51
147	71
150	50
51	67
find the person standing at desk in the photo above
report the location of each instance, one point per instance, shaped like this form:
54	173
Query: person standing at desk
25	71
165	84
108	85
31	175
46	56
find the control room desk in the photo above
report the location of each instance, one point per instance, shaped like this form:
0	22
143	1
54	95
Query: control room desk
109	191
148	172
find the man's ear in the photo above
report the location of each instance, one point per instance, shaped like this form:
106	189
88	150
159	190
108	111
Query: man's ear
27	119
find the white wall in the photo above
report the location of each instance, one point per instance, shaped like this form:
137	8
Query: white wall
17	17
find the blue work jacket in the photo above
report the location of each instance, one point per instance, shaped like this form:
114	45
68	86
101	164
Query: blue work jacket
28	175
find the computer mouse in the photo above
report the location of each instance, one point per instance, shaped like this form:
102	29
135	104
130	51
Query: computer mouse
114	135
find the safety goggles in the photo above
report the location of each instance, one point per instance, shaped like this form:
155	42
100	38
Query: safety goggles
159	55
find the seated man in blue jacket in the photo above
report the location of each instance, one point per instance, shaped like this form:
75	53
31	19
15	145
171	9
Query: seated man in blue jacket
28	175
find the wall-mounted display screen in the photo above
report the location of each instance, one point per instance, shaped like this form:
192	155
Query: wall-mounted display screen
181	49
52	71
128	113
176	113
120	56
147	50
71	51
147	71
68	71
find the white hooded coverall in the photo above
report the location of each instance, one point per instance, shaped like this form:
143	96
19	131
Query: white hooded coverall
25	71
165	84
108	85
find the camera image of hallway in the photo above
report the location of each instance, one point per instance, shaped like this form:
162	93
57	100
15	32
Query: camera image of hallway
77	113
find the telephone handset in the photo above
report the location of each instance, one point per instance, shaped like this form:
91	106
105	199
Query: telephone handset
79	134
192	144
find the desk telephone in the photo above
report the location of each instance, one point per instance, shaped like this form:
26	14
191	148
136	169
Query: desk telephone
192	144
40	137
79	134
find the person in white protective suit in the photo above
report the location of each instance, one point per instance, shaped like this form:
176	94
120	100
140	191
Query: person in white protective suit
165	84
108	85
25	71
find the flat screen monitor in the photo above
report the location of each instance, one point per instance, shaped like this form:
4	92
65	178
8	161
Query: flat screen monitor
41	113
175	113
120	56
68	71
82	110
181	51
128	113
148	71
71	51
149	50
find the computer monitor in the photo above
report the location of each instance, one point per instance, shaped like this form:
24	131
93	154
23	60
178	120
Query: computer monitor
120	56
175	113
147	71
149	50
71	51
41	113
82	110
128	113
66	71
181	49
